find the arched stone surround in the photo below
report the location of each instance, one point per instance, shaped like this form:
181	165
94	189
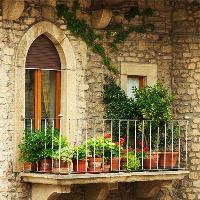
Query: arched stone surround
68	83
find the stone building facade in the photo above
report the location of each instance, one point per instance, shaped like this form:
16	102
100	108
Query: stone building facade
172	49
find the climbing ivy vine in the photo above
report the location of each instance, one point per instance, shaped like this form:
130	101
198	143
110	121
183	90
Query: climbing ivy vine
116	34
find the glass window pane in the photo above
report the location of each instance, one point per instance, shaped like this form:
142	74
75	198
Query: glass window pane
132	82
48	93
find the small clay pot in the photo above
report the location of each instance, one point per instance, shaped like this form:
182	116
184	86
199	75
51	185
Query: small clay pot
153	162
45	165
115	164
80	166
95	165
106	168
30	167
168	160
64	167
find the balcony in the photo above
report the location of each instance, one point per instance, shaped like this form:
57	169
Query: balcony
102	151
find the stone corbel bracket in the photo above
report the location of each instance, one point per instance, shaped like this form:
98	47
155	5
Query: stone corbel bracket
101	18
12	10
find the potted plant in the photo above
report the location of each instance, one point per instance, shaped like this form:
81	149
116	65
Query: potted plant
62	160
134	161
27	156
37	147
153	106
168	141
95	147
79	158
108	150
49	143
116	155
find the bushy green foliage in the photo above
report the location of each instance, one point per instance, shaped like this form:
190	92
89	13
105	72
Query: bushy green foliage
118	105
153	103
38	144
79	151
134	162
65	154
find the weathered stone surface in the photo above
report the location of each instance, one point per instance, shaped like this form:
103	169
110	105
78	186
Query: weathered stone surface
12	11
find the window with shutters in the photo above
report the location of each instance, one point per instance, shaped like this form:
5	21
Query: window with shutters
42	82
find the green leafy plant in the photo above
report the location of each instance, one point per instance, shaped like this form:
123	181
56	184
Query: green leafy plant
40	144
153	103
118	105
169	135
79	151
133	162
65	154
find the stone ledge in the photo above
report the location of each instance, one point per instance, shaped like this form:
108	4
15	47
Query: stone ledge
72	179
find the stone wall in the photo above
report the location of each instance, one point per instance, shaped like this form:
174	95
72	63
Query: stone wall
186	85
177	57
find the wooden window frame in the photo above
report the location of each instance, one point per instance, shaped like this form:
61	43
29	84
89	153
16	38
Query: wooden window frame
38	100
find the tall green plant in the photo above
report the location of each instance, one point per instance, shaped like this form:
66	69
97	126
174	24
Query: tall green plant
153	103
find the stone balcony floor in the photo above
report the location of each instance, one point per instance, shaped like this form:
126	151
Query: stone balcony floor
88	178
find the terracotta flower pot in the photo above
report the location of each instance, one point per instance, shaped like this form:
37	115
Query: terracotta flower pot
168	160
153	162
29	167
46	165
64	167
81	168
115	164
106	168
95	165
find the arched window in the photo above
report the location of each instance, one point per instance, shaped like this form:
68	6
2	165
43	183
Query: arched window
42	82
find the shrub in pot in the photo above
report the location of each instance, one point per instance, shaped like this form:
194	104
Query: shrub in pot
95	148
80	158
36	147
27	156
62	160
154	106
108	150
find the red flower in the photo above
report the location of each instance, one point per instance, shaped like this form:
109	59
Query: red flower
140	143
107	135
138	150
146	149
122	140
117	143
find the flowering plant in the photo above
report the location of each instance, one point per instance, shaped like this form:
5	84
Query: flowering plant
100	145
141	151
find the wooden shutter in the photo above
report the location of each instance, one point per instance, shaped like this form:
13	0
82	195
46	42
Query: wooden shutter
43	55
